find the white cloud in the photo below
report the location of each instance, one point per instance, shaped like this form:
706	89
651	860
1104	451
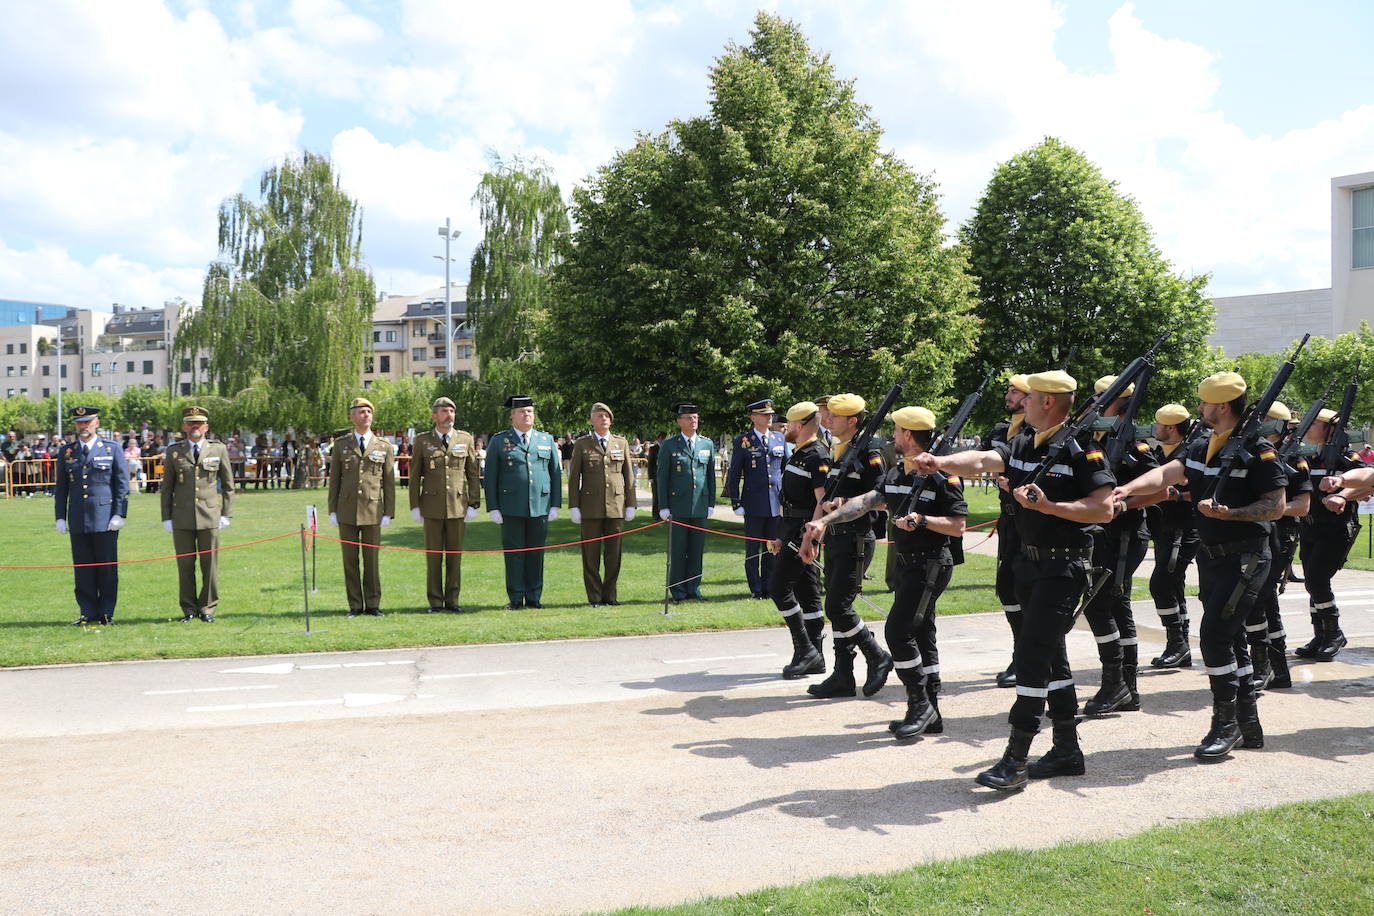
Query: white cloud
48	273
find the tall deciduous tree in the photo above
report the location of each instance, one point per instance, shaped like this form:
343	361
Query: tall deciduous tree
1332	359
768	248
1065	262
288	303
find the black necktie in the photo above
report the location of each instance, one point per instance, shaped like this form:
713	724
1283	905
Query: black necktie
361	444
445	435
602	443
195	452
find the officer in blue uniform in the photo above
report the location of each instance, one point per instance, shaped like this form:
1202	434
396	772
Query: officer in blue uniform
524	488
686	479
92	500
754	486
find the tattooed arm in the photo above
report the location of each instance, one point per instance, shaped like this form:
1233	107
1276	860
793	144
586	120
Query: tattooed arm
1267	508
851	509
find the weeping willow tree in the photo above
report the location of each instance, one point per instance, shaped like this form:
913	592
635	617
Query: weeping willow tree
523	218
287	304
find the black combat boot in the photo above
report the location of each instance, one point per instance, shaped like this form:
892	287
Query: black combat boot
1263	674
1128	674
1247	717
879	662
919	712
1318	637
1111	696
841	680
1224	734
1334	640
1065	757
1009	773
815	628
1007	678
1278	663
937	724
1177	653
805	658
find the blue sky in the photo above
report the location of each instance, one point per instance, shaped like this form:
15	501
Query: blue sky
123	126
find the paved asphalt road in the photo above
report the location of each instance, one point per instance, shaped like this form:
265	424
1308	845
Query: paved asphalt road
561	777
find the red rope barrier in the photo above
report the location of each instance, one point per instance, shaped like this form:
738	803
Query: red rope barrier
173	556
604	537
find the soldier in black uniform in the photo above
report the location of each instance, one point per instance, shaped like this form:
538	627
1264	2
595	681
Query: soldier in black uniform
928	513
1008	547
795	586
1264	627
1175	538
1233	557
845	547
1052	518
1118	547
1327	534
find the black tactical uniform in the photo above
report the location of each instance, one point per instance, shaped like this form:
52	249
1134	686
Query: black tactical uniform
1008	544
1326	539
1175	538
795	587
1264	632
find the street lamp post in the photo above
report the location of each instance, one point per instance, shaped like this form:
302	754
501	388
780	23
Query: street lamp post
449	233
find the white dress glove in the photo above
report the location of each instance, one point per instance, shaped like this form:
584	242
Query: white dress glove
167	526
470	514
116	522
576	515
739	510
386	520
415	514
630	514
664	514
553	513
334	519
61	526
496	516
224	521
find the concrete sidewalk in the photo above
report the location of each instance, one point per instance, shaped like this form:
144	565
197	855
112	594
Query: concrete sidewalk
562	777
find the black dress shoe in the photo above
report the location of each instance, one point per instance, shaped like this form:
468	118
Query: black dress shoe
107	620
189	617
374	613
512	607
355	613
208	618
612	603
534	604
699	598
454	609
81	622
435	610
593	604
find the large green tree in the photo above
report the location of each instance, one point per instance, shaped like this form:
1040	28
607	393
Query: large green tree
288	303
1326	360
1066	264
768	248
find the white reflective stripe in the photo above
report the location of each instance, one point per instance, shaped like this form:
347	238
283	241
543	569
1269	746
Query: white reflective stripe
794	609
1012	608
926	494
909	663
904	489
853	475
813	615
1167	611
1022	465
848	633
797	469
1324	605
1113	636
1212	472
1060	685
1024	691
1280	633
1247	670
931	669
1318	472
1130	641
1224	669
1256	627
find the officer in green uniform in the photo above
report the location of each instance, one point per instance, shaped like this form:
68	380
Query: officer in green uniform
686	479
362	501
445	494
197	491
524	484
601	497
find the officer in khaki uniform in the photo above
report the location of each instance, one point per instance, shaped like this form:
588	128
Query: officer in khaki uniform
197	491
362	501
601	494
445	494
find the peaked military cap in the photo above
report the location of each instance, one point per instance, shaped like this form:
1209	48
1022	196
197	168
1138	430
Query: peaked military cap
442	402
194	415
684	408
84	413
516	401
602	407
763	406
361	402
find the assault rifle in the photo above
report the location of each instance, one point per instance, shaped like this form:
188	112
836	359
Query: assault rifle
1123	433
858	446
944	441
1292	446
1091	411
1337	437
1249	424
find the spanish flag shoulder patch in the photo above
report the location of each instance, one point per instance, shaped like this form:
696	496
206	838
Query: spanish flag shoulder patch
1267	454
823	468
1142	447
876	460
953	479
1302	464
1093	454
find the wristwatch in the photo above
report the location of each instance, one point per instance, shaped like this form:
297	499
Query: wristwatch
922	523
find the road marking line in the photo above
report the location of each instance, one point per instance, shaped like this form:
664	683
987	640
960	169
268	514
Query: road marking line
445	677
282	668
946	642
318	667
165	693
716	658
349	700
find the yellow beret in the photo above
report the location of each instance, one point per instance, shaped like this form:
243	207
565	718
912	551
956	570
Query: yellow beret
1279	411
194	415
1020	381
1103	383
802	411
1056	381
1326	415
846	405
914	418
1222	388
1171	414
361	402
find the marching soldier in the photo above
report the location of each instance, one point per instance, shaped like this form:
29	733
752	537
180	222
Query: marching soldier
1052	519
846	545
928	513
1233	556
197	492
601	494
524	484
92	501
445	494
362	501
686	481
1008	547
754	485
796	585
1175	538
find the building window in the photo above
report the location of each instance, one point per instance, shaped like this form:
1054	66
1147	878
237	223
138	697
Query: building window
467	372
62	370
419	353
417	330
186	364
385	361
376	336
114	367
9	349
23	348
367	364
114	389
185	388
23	370
46	371
367	383
147	367
47	392
9	370
129	366
390	336
9	393
1362	236
95	369
439	353
463	351
204	363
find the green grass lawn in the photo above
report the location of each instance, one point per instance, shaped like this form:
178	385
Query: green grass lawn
261	600
1313	857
